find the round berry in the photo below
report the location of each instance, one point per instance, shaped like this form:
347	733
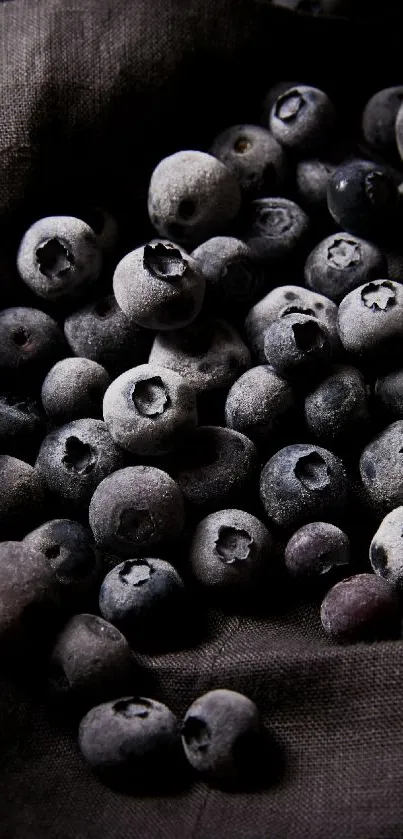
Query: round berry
316	550
312	177
363	199
73	389
22	497
389	394
370	319
30	343
379	119
381	468
302	119
233	278
361	608
337	410
258	403
297	344
275	229
253	155
341	263
386	549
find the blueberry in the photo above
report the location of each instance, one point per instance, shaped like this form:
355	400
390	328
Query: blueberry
22	497
229	552
69	550
59	256
159	286
399	131
337	410
255	158
215	468
370	319
74	389
389	394
192	196
287	300
302	119
303	483
312	177
233	279
209	354
362	197
102	332
21	424
276	228
30	343
91	662
148	408
220	734
28	598
143	598
316	550
271	98
258	403
341	263
103	224
381	468
361	608
131	741
136	511
379	119
297	344
75	458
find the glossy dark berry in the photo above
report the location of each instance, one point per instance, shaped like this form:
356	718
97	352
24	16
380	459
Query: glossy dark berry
271	98
341	263
337	410
143	597
69	550
230	550
275	229
258	403
22	425
102	332
381	468
30	343
192	196
148	409
136	511
297	344
253	155
234	281
389	394
74	459
91	662
209	354
361	608
59	256
362	197
220	734
74	389
379	119
370	320
302	119
287	300
316	550
312	178
22	497
159	286
303	483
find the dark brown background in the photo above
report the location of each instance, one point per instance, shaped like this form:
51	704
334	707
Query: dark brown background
93	93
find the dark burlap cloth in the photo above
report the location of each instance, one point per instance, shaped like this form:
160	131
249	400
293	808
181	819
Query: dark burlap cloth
93	92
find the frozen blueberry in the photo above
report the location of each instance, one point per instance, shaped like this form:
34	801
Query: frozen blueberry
103	333
21	499
361	608
22	424
379	119
271	98
312	177
103	224
302	119
316	550
389	394
381	468
276	228
159	286
131	741
148	409
59	256
192	196
73	389
370	319
255	158
28	598
399	131
229	552
337	410
30	343
362	197
73	460
297	344
136	511
287	300
258	403
386	549
221	733
233	279
69	550
143	598
341	263
209	354
303	483
215	468
91	662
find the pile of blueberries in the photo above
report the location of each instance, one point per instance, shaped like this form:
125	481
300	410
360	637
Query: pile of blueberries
227	419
